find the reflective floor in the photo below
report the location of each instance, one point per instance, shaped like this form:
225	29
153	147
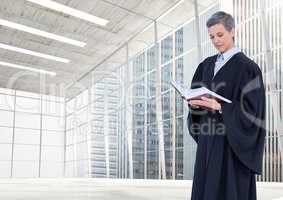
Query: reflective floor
110	189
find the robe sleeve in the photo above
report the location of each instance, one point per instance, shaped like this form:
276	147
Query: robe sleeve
244	119
194	115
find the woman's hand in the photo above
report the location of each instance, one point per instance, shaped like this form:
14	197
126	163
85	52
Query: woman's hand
206	103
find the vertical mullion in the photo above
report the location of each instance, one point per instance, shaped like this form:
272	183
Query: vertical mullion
13	138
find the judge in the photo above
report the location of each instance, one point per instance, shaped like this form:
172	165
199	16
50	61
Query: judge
230	137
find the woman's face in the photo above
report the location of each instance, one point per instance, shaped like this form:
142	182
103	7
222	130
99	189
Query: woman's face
221	38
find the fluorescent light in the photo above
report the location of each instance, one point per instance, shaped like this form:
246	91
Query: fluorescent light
70	11
41	33
41	71
33	53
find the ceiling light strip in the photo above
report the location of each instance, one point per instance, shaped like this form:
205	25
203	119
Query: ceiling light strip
38	32
70	11
41	71
33	53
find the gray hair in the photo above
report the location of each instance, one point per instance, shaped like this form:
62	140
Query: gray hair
223	18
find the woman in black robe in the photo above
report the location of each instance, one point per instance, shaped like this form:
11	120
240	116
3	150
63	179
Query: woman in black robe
230	137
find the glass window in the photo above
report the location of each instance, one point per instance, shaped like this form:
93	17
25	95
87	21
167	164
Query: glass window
151	59
179	70
82	116
26	152
54	154
25	120
25	169
70	106
189	40
70	137
82	151
6	135
69	169
151	84
166	49
6	118
70	153
179	42
166	106
53	123
53	108
5	169
70	123
51	169
27	105
7	102
138	88
82	133
27	136
151	110
53	138
138	65
166	77
6	152
82	99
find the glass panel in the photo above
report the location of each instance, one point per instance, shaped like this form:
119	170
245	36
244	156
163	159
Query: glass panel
69	169
6	135
166	77
53	108
70	137
6	152
6	118
151	83
27	136
152	152
70	153
54	154
82	99
5	169
82	116
166	49
179	49
53	123
70	122
52	138
51	169
25	169
25	120
179	148
151	59
166	111
189	40
138	65
151	110
70	106
7	102
26	152
27	105
82	132
168	148
82	151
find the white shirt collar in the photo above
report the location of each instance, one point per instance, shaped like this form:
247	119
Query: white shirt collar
229	53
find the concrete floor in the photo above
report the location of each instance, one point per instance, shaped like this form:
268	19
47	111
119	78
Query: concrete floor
110	189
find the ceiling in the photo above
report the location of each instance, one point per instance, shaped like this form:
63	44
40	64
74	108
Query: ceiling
105	45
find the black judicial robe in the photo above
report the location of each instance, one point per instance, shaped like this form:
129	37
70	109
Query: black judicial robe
229	145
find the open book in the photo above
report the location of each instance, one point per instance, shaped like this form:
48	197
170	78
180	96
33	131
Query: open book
197	93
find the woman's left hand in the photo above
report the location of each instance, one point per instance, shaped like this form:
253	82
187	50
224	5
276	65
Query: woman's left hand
207	103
